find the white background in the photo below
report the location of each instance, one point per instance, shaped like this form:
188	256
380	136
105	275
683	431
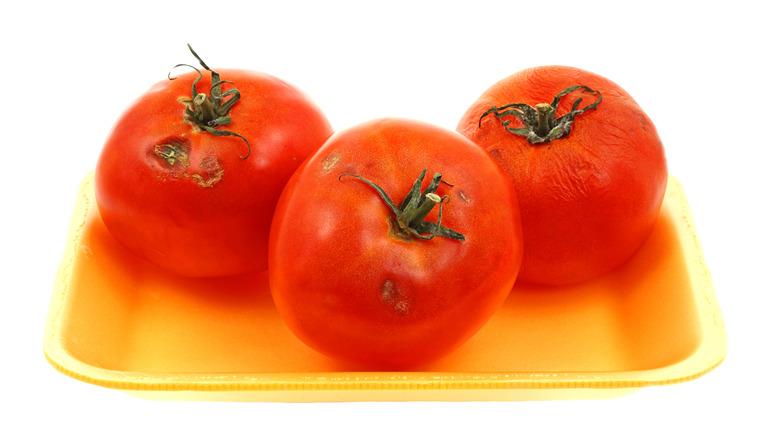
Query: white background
703	71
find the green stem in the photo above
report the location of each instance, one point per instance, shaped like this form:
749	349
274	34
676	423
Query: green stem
409	216
208	111
413	217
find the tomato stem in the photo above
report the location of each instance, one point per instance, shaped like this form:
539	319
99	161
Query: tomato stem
539	124
543	125
208	111
414	215
408	217
204	106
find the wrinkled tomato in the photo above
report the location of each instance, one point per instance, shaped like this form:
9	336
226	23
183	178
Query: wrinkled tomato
587	165
191	173
394	244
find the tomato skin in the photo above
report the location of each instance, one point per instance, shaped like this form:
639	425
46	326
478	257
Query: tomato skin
208	215
588	200
348	288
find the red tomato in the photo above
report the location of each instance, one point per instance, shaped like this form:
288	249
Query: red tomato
590	188
349	273
198	198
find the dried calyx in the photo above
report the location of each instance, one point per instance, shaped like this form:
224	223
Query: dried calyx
539	123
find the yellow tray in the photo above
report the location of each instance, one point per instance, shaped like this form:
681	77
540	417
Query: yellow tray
119	322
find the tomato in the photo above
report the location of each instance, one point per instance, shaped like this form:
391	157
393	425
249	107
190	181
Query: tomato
590	184
394	244
197	197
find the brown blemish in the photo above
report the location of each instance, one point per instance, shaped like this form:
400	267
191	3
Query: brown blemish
212	172
462	195
394	298
394	230
330	161
173	155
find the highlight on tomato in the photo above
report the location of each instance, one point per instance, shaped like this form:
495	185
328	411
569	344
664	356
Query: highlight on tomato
393	244
190	175
586	162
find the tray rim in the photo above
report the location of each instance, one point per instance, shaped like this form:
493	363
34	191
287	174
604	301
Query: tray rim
709	354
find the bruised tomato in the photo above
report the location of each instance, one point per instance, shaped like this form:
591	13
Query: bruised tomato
587	165
191	173
394	244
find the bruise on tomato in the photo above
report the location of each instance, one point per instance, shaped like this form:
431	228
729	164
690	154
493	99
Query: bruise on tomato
394	298
330	161
173	156
211	172
173	152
